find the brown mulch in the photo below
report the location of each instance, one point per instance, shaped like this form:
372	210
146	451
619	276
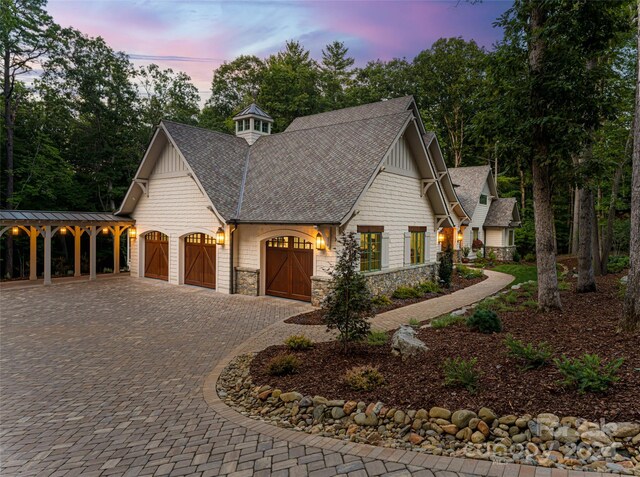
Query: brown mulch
585	325
457	283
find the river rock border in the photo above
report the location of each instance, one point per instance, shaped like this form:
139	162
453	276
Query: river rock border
545	440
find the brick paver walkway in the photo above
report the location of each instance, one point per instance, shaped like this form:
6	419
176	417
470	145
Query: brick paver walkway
107	378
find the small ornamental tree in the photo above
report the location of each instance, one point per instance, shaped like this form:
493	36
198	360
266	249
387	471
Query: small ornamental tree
445	268
348	306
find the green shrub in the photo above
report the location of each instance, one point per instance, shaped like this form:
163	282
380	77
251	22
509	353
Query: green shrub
406	292
447	320
377	338
381	301
364	378
516	256
298	342
511	298
414	323
484	321
445	267
532	355
461	373
283	365
468	273
465	252
589	373
617	263
492	257
348	306
530	257
529	304
428	287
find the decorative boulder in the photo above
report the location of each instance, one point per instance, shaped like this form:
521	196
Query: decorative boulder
405	344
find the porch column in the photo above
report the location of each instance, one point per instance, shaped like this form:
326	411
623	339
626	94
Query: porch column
47	254
33	253
93	231
77	270
116	249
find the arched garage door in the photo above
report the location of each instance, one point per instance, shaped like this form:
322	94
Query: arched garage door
156	255
289	264
200	260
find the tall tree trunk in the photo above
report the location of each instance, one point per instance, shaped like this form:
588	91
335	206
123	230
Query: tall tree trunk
611	215
595	243
630	321
586	278
548	294
522	191
9	118
575	226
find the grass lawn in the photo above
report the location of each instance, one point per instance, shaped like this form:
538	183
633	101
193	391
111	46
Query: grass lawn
523	273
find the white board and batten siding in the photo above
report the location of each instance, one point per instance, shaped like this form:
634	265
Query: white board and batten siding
176	206
394	201
479	216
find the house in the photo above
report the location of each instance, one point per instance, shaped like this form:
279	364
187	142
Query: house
492	220
258	213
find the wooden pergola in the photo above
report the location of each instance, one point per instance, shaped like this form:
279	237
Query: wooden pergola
47	224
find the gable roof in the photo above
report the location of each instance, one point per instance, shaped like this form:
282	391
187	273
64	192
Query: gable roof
469	182
503	213
355	113
253	110
316	175
315	172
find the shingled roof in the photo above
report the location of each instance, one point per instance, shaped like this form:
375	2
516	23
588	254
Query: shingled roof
253	109
469	182
355	113
314	172
503	213
217	160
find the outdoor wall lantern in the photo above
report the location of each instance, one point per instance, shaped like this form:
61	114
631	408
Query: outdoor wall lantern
459	236
440	237
105	230
63	231
220	236
319	242
15	230
132	232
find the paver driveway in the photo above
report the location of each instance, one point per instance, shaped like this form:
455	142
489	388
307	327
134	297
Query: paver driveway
105	378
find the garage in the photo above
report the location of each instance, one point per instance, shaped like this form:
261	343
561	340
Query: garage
156	253
289	266
200	260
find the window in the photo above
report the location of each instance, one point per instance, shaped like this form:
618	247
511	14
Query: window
257	124
265	127
417	244
240	125
475	233
511	237
247	124
483	199
370	248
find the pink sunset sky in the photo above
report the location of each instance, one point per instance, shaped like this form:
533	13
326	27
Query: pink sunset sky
196	36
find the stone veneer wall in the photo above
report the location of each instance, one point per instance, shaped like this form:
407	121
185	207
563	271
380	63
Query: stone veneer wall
247	281
383	282
503	254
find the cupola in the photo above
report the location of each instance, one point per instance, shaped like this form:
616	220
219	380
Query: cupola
252	122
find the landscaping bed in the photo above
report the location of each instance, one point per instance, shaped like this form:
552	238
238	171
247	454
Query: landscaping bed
514	415
458	282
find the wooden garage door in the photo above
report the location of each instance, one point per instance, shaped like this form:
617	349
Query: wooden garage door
200	260
289	268
156	255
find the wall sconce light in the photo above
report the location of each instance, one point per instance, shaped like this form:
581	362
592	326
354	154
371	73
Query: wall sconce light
460	237
440	237
319	242
15	230
105	230
220	236
63	231
132	232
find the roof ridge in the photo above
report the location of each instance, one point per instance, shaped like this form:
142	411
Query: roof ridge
338	123
243	183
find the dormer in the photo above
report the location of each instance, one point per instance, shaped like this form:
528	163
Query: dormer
252	122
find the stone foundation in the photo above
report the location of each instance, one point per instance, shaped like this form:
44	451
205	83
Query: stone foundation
247	281
385	282
503	254
320	286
